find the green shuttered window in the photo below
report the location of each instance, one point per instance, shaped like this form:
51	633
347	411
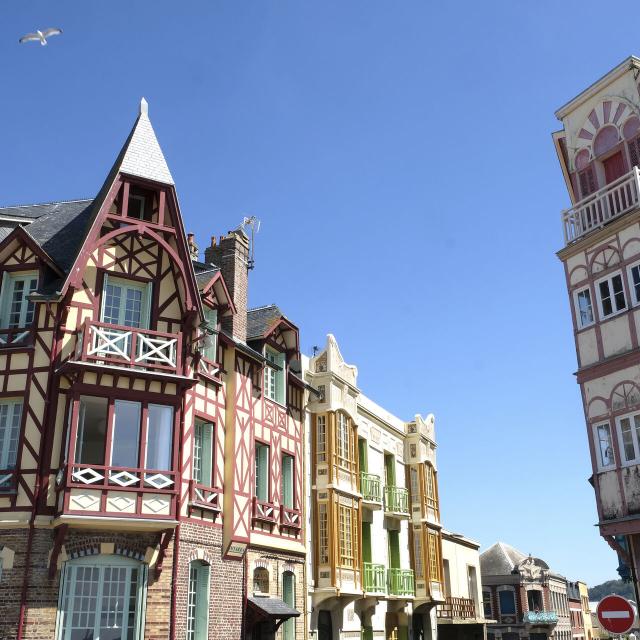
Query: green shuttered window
203	453
287	480
289	596
262	472
198	601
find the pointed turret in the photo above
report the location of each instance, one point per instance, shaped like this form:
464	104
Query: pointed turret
143	156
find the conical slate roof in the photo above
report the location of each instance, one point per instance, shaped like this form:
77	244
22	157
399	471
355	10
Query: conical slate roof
500	560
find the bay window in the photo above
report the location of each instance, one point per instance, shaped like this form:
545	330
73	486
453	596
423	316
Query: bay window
629	437
102	598
604	446
611	298
10	418
344	441
110	433
274	375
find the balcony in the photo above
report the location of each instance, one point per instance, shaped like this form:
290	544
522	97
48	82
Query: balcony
8	482
140	349
116	492
290	518
370	487
374	578
599	208
457	608
396	501
264	512
540	617
401	582
204	497
17	337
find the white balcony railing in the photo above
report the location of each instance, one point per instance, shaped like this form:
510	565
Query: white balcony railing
594	211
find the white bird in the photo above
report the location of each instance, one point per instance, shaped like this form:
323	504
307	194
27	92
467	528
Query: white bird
40	36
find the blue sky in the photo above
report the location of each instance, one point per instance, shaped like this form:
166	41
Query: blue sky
399	156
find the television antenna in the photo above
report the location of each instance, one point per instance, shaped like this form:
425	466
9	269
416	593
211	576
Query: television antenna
254	224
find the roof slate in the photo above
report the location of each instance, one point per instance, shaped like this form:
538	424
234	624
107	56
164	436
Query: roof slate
260	319
34	211
273	607
500	559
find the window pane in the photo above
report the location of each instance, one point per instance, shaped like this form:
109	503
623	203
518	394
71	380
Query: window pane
321	438
323	540
126	434
635	277
605	297
133	308
585	310
604	443
159	437
618	292
507	603
112	302
627	439
92	431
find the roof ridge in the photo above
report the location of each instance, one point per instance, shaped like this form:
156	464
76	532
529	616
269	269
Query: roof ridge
264	306
44	204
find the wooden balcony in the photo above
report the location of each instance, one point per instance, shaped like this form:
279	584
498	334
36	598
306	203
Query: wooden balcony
140	349
456	608
16	337
204	497
116	492
599	208
8	482
264	512
290	518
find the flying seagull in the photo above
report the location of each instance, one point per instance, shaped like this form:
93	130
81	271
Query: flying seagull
40	36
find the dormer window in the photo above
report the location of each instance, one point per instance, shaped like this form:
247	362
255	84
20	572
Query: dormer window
210	339
274	375
140	204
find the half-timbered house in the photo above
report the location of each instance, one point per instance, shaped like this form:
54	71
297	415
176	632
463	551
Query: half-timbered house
150	425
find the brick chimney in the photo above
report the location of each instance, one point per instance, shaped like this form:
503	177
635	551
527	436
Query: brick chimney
231	254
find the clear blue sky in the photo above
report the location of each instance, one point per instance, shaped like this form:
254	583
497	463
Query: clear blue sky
399	156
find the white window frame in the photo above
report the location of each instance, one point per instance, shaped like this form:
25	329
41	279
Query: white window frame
576	304
634	439
209	351
101	562
145	307
609	280
596	443
634	299
275	378
9	279
10	433
203	443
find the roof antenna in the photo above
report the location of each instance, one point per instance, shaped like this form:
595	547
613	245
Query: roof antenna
254	223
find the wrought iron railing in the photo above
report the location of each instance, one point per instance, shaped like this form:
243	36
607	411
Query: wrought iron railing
370	487
129	347
374	578
600	207
401	582
396	499
457	608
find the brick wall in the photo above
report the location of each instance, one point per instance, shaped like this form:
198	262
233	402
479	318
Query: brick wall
226	603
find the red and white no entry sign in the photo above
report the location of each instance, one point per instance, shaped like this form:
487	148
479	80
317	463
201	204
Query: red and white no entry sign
615	614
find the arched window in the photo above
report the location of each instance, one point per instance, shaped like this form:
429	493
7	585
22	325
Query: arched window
260	580
103	597
606	139
289	597
198	601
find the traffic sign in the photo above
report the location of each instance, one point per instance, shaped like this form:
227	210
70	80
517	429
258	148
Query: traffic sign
615	614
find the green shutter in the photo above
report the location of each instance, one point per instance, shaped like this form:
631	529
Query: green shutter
362	455
281	378
390	469
262	472
289	596
366	542
394	549
206	455
202	602
287	481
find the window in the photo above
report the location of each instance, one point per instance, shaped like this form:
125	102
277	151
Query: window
289	597
124	434
472	581
587	181
430	485
604	446
434	557
323	537
274	376
418	561
321	438
629	437
346	536
414	485
262	472
102	598
584	308
634	282
345	454
140	204
203	457
10	418
634	151
125	303
447	578
287	481
210	341
486	604
534	600
506	599
393	539
260	580
17	311
611	295
198	601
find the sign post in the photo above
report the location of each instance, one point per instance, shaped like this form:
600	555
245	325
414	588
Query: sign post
615	614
